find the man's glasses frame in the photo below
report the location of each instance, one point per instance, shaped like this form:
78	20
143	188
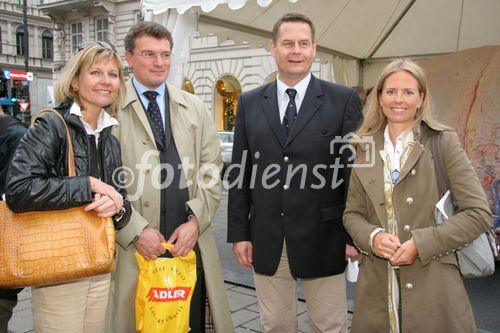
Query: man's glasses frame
148	55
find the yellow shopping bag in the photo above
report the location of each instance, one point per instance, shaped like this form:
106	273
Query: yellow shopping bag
164	290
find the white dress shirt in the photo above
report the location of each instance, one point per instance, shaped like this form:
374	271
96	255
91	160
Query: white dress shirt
284	99
160	98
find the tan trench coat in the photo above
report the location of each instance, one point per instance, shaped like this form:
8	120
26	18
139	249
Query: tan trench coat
434	299
197	143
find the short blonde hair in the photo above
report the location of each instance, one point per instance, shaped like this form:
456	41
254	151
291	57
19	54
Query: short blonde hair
375	120
83	59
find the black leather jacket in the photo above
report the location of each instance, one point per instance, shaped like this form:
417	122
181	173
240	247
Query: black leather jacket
37	177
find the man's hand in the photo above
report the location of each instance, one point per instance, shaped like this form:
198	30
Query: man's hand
351	252
184	237
243	252
385	244
406	254
149	244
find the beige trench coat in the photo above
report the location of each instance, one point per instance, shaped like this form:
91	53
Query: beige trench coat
197	143
434	299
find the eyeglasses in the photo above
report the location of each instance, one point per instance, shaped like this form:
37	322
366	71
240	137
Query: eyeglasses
103	44
148	55
407	93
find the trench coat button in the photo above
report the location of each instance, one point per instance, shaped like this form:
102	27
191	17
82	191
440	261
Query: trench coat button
409	286
413	172
409	201
285	187
145	141
434	257
146	203
286	159
407	228
282	214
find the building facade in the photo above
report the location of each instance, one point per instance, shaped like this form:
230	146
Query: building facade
15	80
77	21
218	72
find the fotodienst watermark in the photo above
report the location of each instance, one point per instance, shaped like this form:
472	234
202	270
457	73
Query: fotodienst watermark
248	172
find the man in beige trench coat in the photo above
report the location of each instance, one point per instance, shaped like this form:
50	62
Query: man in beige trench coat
173	180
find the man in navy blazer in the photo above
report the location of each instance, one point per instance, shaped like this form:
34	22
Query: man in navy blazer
288	184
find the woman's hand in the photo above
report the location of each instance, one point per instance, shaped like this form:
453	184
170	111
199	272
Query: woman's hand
406	254
107	201
385	245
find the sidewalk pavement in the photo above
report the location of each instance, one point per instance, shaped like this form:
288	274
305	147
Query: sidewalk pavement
239	288
242	302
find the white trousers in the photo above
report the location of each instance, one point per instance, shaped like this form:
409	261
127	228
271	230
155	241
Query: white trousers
73	307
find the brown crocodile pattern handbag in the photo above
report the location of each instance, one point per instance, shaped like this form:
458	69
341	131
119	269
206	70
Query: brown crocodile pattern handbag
48	247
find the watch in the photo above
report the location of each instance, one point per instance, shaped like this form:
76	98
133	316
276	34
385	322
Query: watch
117	218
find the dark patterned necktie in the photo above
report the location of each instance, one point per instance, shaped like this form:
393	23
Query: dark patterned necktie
291	111
154	113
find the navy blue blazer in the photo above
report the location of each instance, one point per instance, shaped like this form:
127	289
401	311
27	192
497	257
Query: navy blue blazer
288	188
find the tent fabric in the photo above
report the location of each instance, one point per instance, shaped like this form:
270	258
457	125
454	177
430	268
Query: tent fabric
356	27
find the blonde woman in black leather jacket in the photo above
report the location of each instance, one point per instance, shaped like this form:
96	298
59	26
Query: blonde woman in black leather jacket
89	92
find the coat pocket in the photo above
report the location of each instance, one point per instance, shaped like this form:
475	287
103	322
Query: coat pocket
450	259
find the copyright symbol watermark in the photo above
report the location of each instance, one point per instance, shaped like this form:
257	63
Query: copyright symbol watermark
123	176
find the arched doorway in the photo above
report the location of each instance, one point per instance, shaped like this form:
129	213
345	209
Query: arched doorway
227	91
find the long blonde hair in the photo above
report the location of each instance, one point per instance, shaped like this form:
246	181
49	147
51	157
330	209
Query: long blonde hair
375	120
84	59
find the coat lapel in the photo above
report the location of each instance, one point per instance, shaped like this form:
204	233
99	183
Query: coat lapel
372	178
178	129
308	108
170	109
136	106
413	158
271	111
421	136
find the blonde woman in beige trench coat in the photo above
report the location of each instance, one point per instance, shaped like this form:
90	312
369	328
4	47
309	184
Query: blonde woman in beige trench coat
432	294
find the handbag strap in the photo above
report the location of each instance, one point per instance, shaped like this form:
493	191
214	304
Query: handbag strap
71	158
443	181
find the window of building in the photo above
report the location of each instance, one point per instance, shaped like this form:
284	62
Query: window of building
1	51
47	44
20	40
76	35
101	31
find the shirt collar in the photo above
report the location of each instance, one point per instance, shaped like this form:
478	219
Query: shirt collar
142	88
104	120
301	86
403	139
395	152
